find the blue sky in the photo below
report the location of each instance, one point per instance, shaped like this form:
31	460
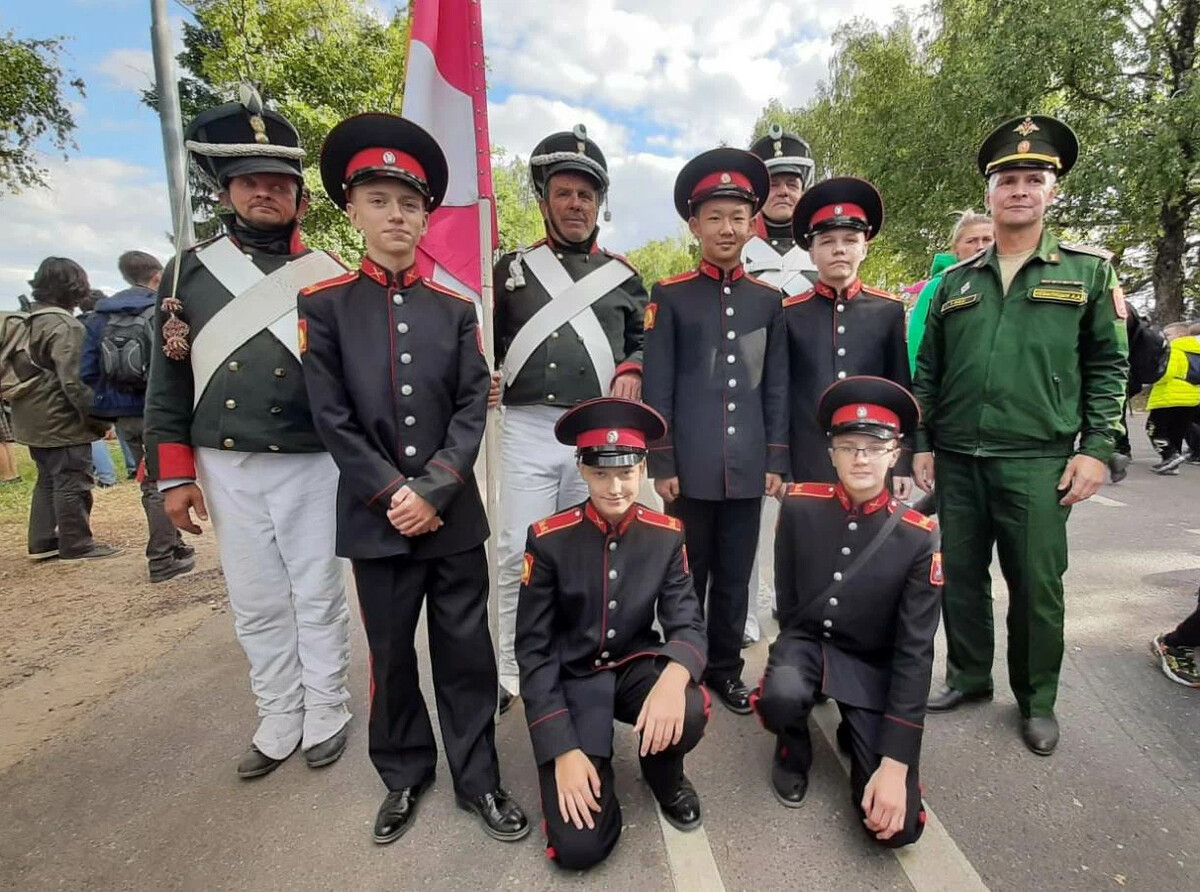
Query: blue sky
652	87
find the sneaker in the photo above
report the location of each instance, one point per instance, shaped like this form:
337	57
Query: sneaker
183	552
1178	663
177	567
1193	459
95	553
43	555
1169	465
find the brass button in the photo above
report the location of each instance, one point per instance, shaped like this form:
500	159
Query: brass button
280	373
227	442
230	404
277	410
233	366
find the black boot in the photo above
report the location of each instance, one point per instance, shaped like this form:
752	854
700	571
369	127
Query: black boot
948	698
256	763
1040	734
397	813
788	784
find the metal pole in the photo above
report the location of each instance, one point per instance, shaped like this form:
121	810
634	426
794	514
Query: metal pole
167	90
491	439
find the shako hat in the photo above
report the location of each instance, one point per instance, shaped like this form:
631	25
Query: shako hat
785	152
243	137
570	150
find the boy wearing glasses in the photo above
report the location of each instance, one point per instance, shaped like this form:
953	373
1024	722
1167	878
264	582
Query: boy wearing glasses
859	578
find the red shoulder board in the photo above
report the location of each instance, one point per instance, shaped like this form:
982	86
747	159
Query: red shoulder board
681	277
917	519
343	279
812	490
798	298
665	521
441	289
879	292
757	281
556	522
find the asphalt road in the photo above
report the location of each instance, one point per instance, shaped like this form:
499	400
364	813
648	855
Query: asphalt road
142	794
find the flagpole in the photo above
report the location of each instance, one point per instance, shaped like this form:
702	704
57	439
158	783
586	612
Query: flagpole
491	444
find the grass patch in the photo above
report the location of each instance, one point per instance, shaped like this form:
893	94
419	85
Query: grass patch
14	497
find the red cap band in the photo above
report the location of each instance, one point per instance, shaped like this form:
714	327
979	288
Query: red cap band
865	413
611	436
719	179
830	211
384	158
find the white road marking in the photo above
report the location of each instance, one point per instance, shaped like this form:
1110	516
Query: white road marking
693	867
935	863
1197	532
1106	502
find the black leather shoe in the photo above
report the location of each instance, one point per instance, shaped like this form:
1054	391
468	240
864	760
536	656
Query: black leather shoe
734	694
682	808
397	813
1040	734
256	763
327	751
948	698
789	786
502	817
504	700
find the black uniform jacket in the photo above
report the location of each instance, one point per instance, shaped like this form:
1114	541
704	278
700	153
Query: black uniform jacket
716	369
833	336
590	593
876	632
398	384
559	372
255	402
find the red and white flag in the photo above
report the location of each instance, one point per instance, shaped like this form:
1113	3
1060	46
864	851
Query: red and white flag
445	91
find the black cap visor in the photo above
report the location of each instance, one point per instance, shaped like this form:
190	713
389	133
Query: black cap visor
880	431
239	167
610	456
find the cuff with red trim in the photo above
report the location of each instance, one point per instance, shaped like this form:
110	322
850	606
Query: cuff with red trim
175	460
552	735
687	655
899	739
627	367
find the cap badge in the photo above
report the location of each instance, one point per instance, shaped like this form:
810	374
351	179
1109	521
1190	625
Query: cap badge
389	158
611	437
778	149
1026	127
580	134
726	178
861	412
1023	146
837	210
260	129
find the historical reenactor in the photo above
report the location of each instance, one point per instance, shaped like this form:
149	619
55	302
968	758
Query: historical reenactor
226	408
858	577
840	327
395	369
772	253
716	369
568	327
1021	379
595	579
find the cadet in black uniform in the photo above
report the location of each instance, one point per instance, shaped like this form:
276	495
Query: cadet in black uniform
595	577
395	370
859	578
716	369
840	327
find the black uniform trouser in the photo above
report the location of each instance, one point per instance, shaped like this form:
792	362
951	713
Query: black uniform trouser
164	537
1167	428
401	742
60	511
1187	633
722	539
785	699
577	849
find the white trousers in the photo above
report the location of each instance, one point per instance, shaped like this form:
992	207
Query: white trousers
538	477
275	517
761	595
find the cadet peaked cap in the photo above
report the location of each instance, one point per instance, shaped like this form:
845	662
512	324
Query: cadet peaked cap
367	146
609	432
721	173
838	203
865	404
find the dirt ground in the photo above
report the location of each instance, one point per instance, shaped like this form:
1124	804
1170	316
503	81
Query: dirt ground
74	633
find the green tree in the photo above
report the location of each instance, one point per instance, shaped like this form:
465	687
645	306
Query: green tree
518	217
33	105
664	257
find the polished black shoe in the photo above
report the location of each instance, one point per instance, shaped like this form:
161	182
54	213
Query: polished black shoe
327	751
256	763
502	817
788	785
948	698
682	808
1040	734
397	813
733	693
504	700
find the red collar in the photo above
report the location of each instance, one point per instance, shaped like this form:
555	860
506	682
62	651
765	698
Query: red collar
868	507
715	272
384	276
827	291
604	526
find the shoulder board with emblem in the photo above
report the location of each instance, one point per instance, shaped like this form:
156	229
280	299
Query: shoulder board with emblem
654	519
1093	250
879	292
757	281
561	521
343	279
811	490
681	277
798	298
441	289
917	519
963	263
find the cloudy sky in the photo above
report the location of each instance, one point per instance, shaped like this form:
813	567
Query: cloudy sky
652	88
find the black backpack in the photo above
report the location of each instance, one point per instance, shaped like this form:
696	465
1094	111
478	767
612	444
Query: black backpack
125	347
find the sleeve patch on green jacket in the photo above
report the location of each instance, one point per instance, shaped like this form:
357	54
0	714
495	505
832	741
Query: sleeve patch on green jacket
958	303
1059	295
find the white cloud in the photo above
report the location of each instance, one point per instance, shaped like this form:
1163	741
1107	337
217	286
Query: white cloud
128	69
519	122
94	209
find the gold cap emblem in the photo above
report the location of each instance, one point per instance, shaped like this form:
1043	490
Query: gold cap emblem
726	178
1023	146
1026	127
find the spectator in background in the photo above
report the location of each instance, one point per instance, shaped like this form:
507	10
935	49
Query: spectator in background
8	458
103	470
116	361
52	418
1173	400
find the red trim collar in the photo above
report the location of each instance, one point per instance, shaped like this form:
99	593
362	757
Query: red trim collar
827	290
868	507
384	277
715	272
604	526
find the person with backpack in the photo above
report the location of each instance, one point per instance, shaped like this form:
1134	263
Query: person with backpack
40	355
116	365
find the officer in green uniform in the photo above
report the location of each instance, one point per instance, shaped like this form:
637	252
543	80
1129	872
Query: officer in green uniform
1020	377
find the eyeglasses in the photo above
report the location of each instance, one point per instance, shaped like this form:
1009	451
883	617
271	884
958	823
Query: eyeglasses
872	451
